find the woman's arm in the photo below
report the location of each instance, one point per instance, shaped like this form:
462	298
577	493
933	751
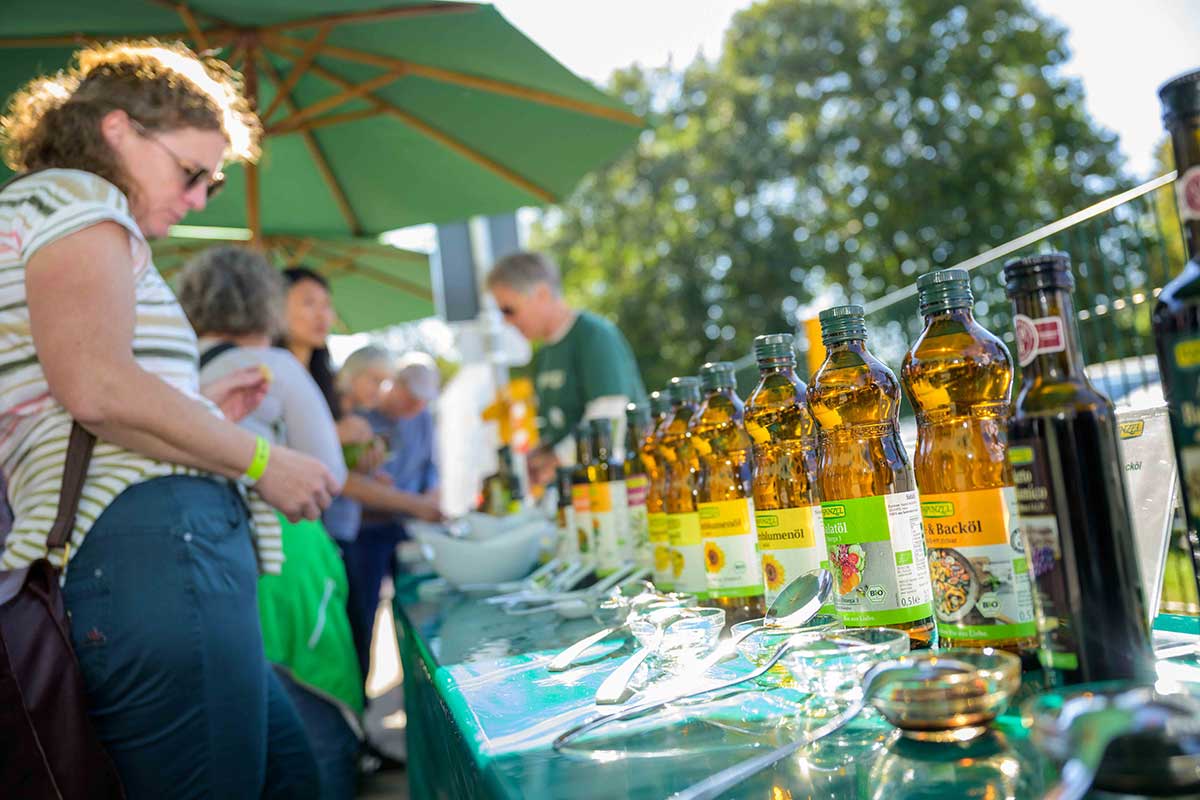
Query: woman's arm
310	426
80	291
378	496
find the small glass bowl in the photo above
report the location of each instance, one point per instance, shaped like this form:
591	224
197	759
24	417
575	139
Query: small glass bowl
692	636
758	642
831	666
955	705
614	610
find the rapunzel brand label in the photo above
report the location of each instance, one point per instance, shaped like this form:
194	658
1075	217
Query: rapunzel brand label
730	549
660	548
1187	194
877	555
981	584
791	542
581	501
568	539
1037	521
1038	336
610	522
636	489
687	553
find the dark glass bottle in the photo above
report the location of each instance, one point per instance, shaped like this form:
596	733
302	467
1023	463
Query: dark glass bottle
568	538
637	485
724	497
958	376
1073	514
1176	317
581	496
606	487
869	504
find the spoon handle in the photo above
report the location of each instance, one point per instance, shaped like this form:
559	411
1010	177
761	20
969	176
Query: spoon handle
615	688
714	785
1076	780
568	656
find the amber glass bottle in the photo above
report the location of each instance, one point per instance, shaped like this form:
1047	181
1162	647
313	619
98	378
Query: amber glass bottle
656	513
870	509
581	497
568	539
637	486
959	379
787	505
724	497
1071	504
679	490
609	510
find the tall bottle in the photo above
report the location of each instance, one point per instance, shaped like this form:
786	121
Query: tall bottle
959	379
637	486
656	513
870	508
1071	502
581	496
679	490
1176	317
787	504
606	484
724	497
568	538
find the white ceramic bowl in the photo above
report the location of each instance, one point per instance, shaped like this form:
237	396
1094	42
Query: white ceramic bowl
502	556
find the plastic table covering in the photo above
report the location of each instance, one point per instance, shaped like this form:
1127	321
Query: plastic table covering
483	710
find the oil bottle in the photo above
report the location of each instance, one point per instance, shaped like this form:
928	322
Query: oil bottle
568	539
958	377
679	491
581	496
870	509
787	504
656	515
637	486
609	508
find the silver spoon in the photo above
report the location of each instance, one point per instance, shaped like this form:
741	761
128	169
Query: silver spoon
615	688
712	786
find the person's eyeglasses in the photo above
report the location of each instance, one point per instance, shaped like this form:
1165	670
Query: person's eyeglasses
507	311
193	175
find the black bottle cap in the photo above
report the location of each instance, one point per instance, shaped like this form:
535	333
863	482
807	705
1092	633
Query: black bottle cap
1043	271
1180	96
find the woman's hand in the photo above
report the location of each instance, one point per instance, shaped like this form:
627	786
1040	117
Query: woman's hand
238	393
299	486
427	507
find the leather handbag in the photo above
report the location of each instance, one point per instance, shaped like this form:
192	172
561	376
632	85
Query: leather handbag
49	748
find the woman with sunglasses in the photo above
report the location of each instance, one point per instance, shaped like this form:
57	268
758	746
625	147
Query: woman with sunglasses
175	520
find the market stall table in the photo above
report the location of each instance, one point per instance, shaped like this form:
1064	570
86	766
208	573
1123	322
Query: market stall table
483	710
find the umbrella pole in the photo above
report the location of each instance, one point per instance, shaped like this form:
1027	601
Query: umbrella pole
253	219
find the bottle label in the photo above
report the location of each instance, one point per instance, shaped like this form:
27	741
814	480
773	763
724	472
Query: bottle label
981	583
581	500
660	549
610	523
687	553
568	539
1037	521
1187	194
1182	379
791	542
731	548
877	552
636	489
1038	336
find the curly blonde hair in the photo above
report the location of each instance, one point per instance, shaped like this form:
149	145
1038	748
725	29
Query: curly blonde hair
54	121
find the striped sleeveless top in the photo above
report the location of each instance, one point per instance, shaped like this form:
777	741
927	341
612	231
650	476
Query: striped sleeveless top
34	427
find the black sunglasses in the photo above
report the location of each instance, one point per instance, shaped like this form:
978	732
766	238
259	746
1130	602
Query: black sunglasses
192	175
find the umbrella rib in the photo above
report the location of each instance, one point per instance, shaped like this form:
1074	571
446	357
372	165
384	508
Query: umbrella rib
314	148
349	264
443	138
327	120
351	92
189	21
376	15
297	71
491	85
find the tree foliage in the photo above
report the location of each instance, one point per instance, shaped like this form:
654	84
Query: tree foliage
835	150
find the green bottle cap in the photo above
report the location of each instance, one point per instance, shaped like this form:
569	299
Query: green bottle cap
637	414
943	290
684	389
1180	96
660	402
842	324
718	375
774	347
1043	271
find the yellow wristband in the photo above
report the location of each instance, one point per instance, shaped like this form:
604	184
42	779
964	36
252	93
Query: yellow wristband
262	454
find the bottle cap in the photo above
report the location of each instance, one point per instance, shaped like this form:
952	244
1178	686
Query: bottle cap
774	347
660	402
718	375
684	389
842	324
943	290
1180	96
1043	271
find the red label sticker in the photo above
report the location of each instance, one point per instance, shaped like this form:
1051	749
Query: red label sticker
1187	194
1038	336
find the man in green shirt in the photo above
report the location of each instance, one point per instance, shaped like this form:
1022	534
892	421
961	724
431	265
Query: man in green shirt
584	367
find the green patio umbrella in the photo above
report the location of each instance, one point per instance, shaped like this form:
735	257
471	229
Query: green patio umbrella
379	114
373	284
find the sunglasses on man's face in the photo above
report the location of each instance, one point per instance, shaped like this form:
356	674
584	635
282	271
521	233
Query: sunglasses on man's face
193	175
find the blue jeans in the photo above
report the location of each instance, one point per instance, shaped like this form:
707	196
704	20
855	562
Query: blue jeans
161	596
370	558
333	741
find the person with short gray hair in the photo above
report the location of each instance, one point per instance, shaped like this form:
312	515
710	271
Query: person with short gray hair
232	290
584	369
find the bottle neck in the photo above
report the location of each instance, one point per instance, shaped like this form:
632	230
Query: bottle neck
583	451
959	314
785	367
1185	143
1055	335
858	346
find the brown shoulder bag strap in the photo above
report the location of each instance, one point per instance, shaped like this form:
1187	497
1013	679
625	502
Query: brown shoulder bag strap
79	455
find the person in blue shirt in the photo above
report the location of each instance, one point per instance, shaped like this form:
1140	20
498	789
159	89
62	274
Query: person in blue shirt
403	420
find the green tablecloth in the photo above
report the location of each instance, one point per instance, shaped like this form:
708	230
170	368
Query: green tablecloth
483	710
